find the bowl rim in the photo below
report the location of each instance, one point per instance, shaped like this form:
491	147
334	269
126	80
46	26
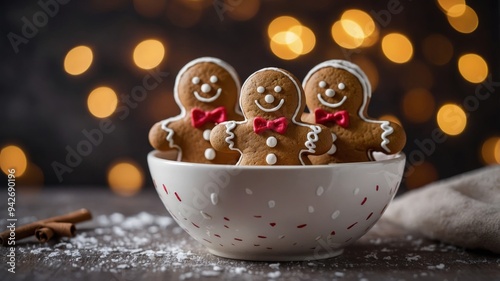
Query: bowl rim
154	155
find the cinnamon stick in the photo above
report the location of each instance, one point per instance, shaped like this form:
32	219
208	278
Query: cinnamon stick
44	234
50	229
29	229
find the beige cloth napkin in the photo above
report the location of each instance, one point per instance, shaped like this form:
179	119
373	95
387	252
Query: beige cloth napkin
463	210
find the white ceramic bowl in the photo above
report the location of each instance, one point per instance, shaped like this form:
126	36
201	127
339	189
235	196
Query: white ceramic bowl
278	213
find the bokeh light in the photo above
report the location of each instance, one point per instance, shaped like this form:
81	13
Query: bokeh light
342	38
437	49
397	47
78	60
418	105
125	178
453	7
102	102
149	8
490	150
242	10
467	22
357	23
422	174
279	24
355	29
13	157
149	54
451	119
473	68
290	39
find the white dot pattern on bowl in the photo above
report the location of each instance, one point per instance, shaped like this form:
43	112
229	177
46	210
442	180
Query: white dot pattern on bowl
335	214
320	190
214	198
340	234
271	204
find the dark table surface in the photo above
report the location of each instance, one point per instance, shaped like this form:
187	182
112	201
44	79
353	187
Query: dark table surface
134	238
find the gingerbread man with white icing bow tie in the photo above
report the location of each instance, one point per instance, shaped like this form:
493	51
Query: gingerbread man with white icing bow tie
337	95
272	133
206	90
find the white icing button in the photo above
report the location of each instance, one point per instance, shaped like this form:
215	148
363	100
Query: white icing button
209	154
206	134
271	141
271	159
213	79
195	80
341	86
260	89
322	84
206	88
269	98
330	93
277	89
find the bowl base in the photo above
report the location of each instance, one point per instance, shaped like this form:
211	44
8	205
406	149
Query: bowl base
274	258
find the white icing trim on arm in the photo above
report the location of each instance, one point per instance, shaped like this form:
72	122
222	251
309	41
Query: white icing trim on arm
385	125
170	137
312	138
230	125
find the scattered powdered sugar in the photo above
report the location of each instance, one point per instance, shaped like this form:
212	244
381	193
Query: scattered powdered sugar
411	257
122	245
274	274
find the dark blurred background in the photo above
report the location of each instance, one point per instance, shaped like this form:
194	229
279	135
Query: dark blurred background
83	81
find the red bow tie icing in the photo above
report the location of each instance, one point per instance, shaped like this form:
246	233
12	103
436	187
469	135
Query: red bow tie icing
200	117
340	118
278	125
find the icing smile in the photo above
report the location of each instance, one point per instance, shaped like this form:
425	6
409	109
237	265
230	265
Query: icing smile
211	99
280	104
331	105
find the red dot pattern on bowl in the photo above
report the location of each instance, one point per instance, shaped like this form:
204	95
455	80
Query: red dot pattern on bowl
271	204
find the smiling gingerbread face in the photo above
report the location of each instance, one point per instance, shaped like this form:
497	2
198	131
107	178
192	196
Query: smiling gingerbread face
337	95
206	84
272	93
333	89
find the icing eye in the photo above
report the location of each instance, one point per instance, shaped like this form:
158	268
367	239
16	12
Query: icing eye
195	80
214	79
341	86
322	84
277	89
260	89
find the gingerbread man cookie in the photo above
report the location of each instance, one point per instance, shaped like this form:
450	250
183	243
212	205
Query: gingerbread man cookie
206	90
272	102
337	95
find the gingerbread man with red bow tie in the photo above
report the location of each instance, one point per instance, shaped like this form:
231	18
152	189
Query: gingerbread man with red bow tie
272	133
337	95
206	90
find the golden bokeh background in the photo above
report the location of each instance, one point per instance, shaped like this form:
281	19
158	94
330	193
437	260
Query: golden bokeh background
84	96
